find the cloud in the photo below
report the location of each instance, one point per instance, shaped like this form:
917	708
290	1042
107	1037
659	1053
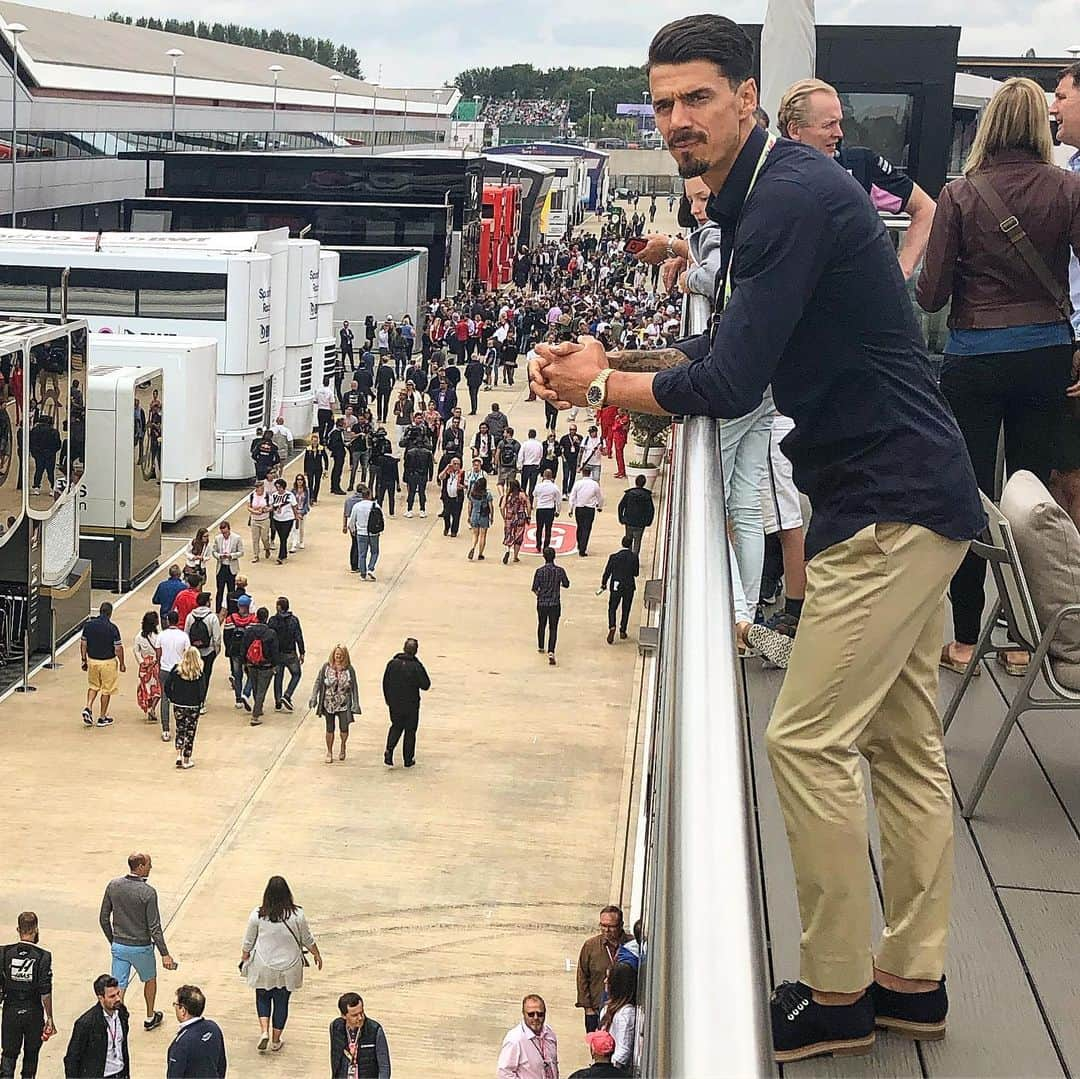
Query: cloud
426	42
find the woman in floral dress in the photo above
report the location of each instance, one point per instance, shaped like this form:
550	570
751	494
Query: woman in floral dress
148	655
516	511
336	697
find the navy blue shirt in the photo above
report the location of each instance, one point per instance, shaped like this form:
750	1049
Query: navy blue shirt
819	311
165	595
101	638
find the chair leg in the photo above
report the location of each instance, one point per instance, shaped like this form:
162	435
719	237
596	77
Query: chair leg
981	649
1020	703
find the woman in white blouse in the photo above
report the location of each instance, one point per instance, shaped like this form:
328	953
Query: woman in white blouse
619	1016
197	555
273	958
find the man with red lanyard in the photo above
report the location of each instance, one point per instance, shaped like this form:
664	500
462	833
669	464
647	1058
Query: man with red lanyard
596	959
530	1050
358	1048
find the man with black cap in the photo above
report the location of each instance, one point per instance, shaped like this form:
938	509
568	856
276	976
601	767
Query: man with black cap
26	990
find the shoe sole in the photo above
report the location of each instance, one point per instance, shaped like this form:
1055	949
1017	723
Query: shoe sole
774	646
849	1047
920	1032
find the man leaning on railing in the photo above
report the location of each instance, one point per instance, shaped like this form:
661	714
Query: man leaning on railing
814	304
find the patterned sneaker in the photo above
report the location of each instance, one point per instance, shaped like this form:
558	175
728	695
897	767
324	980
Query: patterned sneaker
918	1015
774	646
802	1028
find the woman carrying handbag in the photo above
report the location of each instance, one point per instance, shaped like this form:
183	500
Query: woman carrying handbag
335	696
273	957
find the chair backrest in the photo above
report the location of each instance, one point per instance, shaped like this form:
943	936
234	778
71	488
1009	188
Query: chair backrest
1012	585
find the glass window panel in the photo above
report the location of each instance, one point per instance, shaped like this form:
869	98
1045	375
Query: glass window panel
880	121
195	296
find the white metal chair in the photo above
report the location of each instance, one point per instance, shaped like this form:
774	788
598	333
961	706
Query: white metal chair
1016	607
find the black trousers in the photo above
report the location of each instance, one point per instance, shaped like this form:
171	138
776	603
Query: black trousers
544	520
282	530
474	399
347	354
1025	393
529	475
20	1031
547	618
382	488
207	670
354	558
335	473
314	480
551	415
403	723
417	486
625	597
452	514
326	422
226	585
382	404
584	516
569	473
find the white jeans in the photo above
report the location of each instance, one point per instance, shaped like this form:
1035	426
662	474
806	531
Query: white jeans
744	450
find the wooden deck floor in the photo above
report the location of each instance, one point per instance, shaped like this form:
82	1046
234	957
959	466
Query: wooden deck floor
1014	965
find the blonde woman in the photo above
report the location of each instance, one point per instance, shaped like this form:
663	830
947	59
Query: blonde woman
1008	359
336	697
303	507
186	691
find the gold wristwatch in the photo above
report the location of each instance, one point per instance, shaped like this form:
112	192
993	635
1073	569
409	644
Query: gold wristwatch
596	394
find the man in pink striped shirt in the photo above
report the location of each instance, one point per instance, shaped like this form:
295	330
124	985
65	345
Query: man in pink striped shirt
530	1050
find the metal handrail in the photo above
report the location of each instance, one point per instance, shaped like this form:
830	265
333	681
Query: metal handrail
704	985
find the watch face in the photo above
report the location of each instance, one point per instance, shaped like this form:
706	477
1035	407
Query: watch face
594	396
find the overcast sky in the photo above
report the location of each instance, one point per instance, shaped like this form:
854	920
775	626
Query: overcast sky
424	42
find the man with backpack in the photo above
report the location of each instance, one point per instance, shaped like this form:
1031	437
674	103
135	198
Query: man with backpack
260	651
204	633
366	523
236	624
290	653
506	458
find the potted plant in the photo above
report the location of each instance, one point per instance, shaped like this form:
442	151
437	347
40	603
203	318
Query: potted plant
649	434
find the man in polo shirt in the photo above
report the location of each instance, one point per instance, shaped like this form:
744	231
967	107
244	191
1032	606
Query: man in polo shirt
815	307
103	661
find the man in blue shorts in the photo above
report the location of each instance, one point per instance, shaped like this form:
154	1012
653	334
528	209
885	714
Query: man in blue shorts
131	923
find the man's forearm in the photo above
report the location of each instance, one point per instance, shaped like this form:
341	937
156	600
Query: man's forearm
633	391
645	360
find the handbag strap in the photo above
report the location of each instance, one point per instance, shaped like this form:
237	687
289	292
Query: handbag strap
295	937
1021	243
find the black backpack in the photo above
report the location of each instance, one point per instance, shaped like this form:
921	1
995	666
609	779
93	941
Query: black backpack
199	634
376	522
509	455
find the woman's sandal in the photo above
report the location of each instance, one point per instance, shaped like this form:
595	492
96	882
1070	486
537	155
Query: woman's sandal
951	663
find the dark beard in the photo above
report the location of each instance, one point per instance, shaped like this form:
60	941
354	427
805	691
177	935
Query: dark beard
693	168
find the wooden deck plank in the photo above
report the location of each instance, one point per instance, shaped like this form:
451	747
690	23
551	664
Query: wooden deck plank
1047	924
1025	835
892	1057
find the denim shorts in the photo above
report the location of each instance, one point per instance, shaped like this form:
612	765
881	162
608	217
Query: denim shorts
139	956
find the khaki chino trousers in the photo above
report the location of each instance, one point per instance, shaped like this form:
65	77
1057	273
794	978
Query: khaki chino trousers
863	679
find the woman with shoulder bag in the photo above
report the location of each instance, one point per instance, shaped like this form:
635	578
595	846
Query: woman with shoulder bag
186	689
273	958
999	250
284	514
336	697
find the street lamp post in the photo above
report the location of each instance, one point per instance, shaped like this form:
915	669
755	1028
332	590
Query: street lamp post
14	29
588	136
335	79
405	119
174	55
438	102
374	109
476	119
277	69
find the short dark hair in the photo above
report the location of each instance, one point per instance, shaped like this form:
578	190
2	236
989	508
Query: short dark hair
532	432
411	646
714	38
640	481
262	614
28	922
549	554
203	599
103	982
1071	72
348	1000
626	542
173	618
192	999
137	859
612	909
282	603
174	570
105	609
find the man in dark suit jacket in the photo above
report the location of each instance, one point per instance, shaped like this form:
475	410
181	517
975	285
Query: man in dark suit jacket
198	1050
99	1038
621	569
403	681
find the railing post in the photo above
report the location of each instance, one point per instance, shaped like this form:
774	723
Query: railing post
52	665
26	687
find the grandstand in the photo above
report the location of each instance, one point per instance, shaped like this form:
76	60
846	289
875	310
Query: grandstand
527	113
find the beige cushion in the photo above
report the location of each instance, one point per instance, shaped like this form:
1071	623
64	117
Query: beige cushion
1049	548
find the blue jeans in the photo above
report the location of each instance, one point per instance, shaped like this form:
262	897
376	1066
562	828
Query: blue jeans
744	450
236	667
365	544
273	1004
292	665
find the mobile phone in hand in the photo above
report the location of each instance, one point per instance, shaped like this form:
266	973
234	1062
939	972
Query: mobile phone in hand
636	244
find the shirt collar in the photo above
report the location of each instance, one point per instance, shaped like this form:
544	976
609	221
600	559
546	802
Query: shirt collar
1074	162
725	206
188	1022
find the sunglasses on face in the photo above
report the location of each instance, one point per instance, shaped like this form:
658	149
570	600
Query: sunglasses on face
536	1015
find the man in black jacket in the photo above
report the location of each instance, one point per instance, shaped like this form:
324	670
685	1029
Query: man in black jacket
99	1038
402	682
417	468
260	668
636	512
474	379
384	384
198	1050
570	445
356	1039
335	443
387	477
416	374
290	638
26	991
621	570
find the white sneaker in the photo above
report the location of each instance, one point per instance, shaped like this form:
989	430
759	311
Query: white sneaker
165	736
301	545
423	513
408	513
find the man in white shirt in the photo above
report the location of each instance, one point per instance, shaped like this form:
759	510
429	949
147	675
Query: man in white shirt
546	501
172	641
591	455
366	543
528	461
586	500
283	438
324	404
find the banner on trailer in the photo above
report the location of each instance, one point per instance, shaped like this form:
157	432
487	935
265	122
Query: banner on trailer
788	50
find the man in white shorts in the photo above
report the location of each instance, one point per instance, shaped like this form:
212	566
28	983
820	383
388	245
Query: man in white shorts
781	511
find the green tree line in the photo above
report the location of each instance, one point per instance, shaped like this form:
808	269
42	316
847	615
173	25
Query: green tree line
613	85
322	50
